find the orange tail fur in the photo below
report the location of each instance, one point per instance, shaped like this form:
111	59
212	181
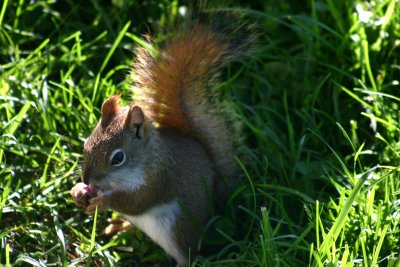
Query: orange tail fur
173	88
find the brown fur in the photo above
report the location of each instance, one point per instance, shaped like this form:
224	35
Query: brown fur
181	67
173	90
174	139
109	109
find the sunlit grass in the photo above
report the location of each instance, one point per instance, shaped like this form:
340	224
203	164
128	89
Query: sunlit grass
319	104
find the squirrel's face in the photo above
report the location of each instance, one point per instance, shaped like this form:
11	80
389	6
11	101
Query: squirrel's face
112	153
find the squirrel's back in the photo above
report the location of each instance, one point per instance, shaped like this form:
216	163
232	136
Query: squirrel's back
176	87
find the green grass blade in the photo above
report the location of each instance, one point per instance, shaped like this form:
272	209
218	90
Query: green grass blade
354	95
3	11
8	255
385	22
342	164
11	126
14	123
47	165
92	239
341	219
61	238
254	202
367	63
343	261
268	248
382	236
5	193
37	50
114	46
384	122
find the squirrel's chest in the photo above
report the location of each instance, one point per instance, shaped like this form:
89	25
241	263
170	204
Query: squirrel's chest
157	223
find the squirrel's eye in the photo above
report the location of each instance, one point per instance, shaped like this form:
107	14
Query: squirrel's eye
117	157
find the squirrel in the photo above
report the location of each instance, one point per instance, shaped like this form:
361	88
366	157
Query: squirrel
158	160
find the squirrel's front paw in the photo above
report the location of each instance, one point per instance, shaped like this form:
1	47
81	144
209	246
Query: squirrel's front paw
81	193
101	201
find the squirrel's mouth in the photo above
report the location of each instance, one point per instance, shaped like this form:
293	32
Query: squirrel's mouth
100	185
96	187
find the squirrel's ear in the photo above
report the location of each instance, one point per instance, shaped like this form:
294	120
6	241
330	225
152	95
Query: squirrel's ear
109	109
135	119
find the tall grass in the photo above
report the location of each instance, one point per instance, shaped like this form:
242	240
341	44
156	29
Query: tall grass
318	101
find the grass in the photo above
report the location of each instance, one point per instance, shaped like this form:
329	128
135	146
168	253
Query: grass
319	104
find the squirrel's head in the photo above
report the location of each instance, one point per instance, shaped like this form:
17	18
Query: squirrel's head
113	152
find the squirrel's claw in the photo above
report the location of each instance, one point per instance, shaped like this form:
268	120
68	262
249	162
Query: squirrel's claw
100	201
90	209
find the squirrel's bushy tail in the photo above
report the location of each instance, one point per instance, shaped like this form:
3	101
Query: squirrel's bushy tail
175	86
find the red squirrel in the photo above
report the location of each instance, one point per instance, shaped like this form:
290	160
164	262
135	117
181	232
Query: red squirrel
157	160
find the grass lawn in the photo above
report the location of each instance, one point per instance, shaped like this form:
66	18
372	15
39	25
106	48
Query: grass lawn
319	101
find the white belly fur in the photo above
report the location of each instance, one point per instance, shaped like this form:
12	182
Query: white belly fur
157	223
